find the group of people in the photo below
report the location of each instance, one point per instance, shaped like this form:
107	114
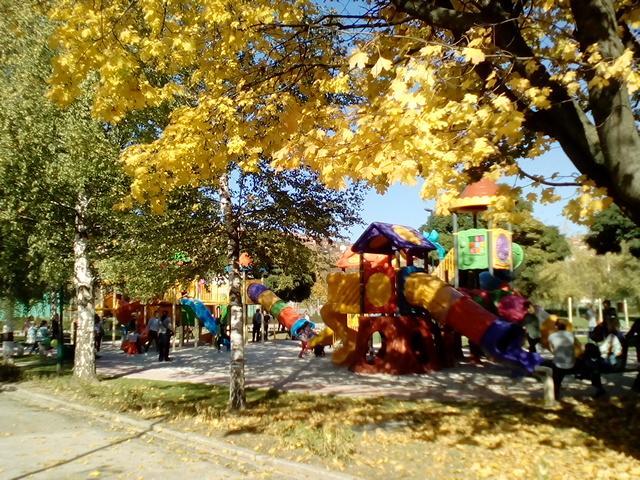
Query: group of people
605	351
38	336
158	332
260	326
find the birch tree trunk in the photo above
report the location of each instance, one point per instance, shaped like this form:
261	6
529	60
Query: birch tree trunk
237	398
7	330
84	366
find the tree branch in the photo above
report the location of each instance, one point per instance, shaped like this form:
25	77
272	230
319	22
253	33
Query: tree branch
541	180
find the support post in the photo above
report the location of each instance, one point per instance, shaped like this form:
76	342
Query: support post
547	384
490	246
362	285
173	325
600	317
625	309
456	257
570	309
60	349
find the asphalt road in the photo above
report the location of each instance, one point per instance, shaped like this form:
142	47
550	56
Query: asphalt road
48	440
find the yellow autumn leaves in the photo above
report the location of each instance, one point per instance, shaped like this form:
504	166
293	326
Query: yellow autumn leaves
245	85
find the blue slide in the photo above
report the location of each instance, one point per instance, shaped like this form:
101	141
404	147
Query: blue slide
202	313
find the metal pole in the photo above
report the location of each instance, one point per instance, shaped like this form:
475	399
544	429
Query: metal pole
456	257
114	318
570	309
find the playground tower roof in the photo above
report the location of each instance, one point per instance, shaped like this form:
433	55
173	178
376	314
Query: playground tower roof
387	238
476	197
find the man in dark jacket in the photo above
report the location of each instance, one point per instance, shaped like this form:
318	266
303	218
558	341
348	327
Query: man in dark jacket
257	326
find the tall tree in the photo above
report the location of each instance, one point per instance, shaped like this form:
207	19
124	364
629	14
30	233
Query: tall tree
62	165
438	89
610	230
586	274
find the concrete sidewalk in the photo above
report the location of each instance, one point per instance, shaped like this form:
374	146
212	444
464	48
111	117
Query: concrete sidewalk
44	437
275	364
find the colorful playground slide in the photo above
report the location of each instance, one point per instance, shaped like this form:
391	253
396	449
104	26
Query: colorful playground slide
270	302
499	338
200	310
345	349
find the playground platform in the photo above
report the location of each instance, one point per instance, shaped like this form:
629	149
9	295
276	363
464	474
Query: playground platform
275	364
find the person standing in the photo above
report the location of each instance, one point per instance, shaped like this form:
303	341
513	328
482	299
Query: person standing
257	325
609	313
164	334
55	326
153	327
266	318
531	325
98	331
562	345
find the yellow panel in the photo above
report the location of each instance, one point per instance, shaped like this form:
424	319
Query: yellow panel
378	289
426	291
343	291
267	299
501	259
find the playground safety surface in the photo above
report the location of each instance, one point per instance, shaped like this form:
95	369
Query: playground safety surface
275	364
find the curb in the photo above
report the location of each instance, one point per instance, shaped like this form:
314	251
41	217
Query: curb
223	449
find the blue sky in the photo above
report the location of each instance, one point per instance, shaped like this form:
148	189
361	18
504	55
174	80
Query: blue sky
402	204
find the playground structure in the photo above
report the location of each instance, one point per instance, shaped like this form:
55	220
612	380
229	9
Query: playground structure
419	315
478	249
416	314
197	305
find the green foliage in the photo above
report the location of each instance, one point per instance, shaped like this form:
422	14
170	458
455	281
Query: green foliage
542	244
276	219
47	157
586	274
610	229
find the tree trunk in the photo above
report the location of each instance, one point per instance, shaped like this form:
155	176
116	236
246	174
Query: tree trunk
607	150
84	366
611	106
237	398
7	330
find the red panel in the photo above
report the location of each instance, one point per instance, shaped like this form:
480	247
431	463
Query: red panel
409	346
469	319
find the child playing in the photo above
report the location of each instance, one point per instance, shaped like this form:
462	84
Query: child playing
305	335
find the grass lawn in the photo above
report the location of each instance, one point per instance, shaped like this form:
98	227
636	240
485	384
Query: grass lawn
384	438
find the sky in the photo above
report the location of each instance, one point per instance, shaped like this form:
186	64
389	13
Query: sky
402	204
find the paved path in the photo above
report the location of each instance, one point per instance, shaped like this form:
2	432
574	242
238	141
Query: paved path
275	365
66	441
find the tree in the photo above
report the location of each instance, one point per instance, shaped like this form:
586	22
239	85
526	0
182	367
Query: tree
63	173
270	214
610	230
447	91
586	274
274	216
